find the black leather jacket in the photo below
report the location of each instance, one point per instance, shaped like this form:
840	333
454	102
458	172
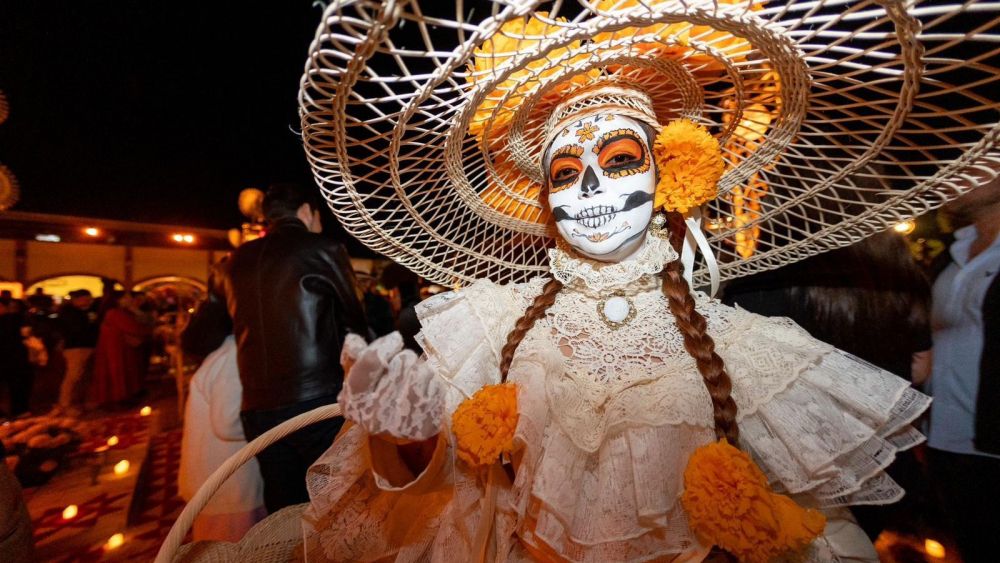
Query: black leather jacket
291	297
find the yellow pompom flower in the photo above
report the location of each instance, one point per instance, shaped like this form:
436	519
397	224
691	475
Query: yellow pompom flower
729	505
690	164
484	424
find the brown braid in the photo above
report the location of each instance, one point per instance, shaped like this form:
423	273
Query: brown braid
534	312
700	345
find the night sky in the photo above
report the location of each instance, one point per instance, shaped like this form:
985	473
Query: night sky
158	112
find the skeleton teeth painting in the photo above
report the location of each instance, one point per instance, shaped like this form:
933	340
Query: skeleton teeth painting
601	186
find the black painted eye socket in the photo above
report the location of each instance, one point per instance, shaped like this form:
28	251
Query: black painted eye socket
565	174
564	170
621	152
621	159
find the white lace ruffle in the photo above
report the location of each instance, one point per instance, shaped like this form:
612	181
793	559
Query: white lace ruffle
650	259
811	439
608	420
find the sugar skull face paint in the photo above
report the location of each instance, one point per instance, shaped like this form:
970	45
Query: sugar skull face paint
601	184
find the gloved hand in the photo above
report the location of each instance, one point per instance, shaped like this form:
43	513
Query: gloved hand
391	391
353	346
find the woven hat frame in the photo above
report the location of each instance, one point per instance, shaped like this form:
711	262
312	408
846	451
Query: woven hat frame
423	219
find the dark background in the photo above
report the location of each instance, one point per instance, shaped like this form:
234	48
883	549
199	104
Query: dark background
152	111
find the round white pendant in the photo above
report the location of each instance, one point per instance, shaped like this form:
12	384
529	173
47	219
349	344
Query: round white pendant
616	309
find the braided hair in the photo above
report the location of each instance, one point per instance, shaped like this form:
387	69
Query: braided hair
691	324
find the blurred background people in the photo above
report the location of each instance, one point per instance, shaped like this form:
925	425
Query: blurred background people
77	323
964	431
292	299
118	361
212	433
15	367
405	286
378	309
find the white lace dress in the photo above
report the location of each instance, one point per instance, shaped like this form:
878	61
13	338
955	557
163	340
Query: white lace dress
608	418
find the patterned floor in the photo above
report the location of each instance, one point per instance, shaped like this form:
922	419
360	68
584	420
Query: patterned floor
153	511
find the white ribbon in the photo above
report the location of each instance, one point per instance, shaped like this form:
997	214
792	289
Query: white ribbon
695	240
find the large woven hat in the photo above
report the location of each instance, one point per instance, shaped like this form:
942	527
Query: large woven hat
424	122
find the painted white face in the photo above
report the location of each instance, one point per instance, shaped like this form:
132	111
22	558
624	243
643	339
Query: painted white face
601	184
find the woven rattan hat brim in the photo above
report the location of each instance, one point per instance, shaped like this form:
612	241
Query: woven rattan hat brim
836	118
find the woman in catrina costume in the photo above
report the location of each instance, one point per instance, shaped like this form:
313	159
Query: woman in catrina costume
575	400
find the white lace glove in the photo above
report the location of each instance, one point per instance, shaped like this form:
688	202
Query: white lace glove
391	391
353	346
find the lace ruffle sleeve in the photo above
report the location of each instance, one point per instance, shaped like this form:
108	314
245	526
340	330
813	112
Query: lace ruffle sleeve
819	421
462	333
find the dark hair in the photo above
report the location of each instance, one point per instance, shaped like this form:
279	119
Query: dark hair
284	200
879	285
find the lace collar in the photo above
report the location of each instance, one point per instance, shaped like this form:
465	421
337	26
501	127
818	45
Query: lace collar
571	268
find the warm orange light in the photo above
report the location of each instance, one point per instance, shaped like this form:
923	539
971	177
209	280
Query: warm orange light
146	411
183	238
121	467
178	237
934	549
92	231
70	512
113	441
115	541
189	239
904	227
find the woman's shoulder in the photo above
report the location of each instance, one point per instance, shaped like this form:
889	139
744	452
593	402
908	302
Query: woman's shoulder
483	295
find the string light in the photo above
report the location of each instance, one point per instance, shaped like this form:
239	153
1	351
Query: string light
121	467
113	441
146	411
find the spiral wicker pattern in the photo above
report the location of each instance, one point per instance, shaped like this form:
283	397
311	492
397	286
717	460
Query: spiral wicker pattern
837	118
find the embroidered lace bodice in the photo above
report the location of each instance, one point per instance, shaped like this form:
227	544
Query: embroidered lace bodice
609	414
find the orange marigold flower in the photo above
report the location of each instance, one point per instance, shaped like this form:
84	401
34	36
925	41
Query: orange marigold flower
730	505
484	424
690	164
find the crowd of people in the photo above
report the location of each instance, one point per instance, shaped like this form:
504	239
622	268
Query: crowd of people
101	346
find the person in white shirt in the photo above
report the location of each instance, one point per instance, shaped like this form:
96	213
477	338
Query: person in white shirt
212	433
964	439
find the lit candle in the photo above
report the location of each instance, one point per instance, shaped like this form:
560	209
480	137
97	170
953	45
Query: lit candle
146	411
934	549
113	441
70	512
121	467
115	541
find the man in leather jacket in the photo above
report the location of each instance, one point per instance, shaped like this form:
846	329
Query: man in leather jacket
291	298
